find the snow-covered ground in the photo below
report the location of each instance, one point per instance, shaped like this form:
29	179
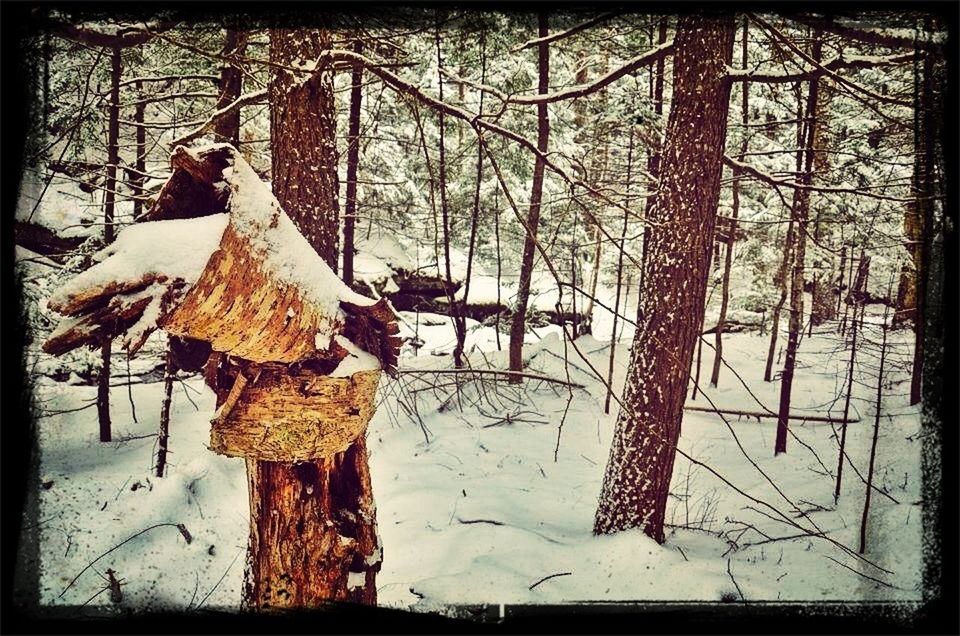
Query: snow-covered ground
482	496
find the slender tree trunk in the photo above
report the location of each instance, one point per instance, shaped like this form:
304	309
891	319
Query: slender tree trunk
846	406
140	162
518	326
353	161
616	302
163	437
728	258
924	190
312	524
456	317
801	213
637	478
876	435
821	302
461	332
781	276
103	392
227	129
109	202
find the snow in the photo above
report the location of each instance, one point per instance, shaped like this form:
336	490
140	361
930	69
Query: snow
472	506
285	253
176	249
356	360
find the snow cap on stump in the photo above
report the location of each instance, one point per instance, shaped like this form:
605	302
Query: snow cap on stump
249	284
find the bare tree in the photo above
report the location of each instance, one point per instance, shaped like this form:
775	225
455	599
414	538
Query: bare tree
519	325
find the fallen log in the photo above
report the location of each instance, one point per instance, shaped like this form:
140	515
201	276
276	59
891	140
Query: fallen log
759	414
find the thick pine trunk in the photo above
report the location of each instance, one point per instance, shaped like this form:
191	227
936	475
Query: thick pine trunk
637	479
227	129
313	531
518	326
801	213
303	144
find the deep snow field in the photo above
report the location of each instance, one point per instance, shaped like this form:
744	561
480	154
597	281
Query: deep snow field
477	499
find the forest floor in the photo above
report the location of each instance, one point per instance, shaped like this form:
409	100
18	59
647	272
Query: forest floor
483	496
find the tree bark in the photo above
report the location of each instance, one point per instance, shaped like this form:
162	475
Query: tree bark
303	154
353	161
227	128
925	140
140	161
614	341
781	276
518	326
653	159
731	238
637	478
313	536
461	330
801	212
163	436
109	233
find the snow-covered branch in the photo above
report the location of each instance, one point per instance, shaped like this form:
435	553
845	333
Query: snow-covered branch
567	33
243	100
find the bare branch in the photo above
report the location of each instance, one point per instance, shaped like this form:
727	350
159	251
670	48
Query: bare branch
565	34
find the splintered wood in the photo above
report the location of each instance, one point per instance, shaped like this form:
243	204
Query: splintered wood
240	311
288	417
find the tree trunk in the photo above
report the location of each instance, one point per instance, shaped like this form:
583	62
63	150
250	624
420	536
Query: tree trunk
821	303
637	478
801	211
312	524
518	326
456	315
109	202
876	435
303	146
227	129
163	436
846	407
781	276
140	161
353	161
728	258
614	341
461	330
925	138
653	158
103	392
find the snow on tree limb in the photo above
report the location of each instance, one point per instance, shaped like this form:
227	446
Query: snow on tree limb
207	126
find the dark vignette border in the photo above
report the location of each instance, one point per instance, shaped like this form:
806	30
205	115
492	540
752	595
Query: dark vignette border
937	613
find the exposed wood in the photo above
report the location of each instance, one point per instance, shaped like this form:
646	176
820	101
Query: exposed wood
196	188
289	417
241	311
